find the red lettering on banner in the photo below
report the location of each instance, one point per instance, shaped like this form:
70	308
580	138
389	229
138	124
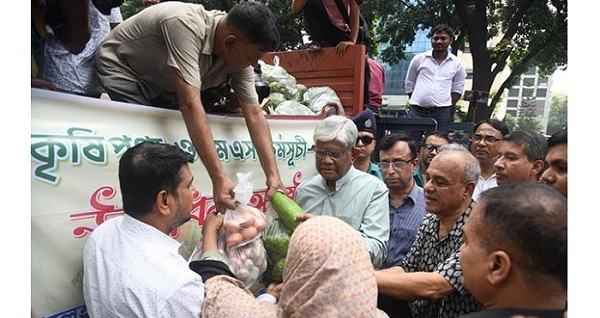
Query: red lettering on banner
201	206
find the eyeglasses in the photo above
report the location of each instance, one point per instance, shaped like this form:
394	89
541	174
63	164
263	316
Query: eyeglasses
366	140
334	155
488	139
430	147
384	165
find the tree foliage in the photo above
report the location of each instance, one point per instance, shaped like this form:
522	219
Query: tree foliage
558	113
527	115
526	33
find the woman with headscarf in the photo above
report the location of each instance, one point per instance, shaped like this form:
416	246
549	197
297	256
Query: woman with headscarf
328	273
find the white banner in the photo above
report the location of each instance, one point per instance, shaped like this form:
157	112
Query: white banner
76	143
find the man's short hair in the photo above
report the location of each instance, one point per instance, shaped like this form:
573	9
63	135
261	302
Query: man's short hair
495	123
338	128
558	138
528	221
534	144
146	169
256	22
442	28
388	141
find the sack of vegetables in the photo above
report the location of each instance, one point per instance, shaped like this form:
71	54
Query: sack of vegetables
280	216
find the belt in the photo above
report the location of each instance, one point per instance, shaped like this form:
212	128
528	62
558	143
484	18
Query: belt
428	108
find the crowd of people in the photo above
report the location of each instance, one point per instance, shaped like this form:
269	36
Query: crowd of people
433	229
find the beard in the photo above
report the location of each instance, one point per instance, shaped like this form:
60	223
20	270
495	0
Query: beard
181	216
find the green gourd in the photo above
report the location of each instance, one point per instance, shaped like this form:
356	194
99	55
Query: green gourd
287	209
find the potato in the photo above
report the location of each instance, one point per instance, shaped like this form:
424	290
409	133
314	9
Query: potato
231	226
248	233
246	220
260	225
233	239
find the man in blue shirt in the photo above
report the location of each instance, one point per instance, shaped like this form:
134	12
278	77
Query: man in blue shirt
398	161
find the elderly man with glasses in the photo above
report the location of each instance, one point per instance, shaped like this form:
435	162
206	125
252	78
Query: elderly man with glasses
430	276
340	190
398	161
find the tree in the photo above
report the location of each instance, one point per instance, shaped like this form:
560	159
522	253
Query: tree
530	33
558	113
510	121
290	26
527	114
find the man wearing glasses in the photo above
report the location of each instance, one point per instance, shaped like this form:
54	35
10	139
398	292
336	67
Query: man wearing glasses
485	145
340	190
365	142
398	161
433	258
429	148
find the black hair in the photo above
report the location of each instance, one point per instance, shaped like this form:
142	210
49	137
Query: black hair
256	22
442	28
145	170
496	124
559	137
388	141
529	221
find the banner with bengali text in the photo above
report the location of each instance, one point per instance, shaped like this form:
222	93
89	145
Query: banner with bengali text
76	143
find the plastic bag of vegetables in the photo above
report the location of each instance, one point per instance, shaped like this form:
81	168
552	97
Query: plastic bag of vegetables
318	97
239	238
280	216
289	107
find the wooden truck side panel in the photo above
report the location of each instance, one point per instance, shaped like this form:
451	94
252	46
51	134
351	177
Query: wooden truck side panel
344	74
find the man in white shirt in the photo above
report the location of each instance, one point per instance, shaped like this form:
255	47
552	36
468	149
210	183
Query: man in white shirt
485	145
132	267
435	80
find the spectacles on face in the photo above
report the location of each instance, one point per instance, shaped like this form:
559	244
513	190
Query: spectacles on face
488	139
430	147
384	165
366	140
334	155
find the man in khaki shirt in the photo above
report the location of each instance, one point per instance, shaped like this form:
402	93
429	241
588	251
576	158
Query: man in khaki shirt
168	53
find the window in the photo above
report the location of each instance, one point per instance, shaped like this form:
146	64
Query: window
512	103
527	92
529	82
530	71
513	92
540	92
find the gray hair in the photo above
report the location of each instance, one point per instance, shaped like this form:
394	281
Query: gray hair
339	128
472	167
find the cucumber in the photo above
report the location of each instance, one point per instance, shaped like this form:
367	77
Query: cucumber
278	270
287	209
277	245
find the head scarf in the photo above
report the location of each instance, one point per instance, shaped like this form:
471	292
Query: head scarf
328	273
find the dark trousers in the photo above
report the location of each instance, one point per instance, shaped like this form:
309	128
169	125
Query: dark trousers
442	115
319	27
393	307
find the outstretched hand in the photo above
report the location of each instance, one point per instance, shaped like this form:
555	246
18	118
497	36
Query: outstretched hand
274	186
223	195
